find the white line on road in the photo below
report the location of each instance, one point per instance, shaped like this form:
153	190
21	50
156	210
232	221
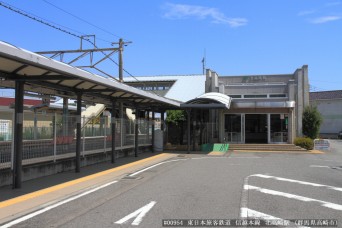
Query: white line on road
26	217
249	213
296	197
297	181
245	157
139	214
152	166
209	158
244	198
319	166
324	166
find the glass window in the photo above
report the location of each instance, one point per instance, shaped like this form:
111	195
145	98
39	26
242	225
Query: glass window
235	96
278	95
255	96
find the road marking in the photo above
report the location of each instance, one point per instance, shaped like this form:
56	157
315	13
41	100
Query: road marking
319	166
209	158
322	160
249	213
296	197
324	166
244	198
244	157
73	182
152	166
297	181
139	214
26	217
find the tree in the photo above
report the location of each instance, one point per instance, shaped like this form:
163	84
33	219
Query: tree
175	120
312	121
175	116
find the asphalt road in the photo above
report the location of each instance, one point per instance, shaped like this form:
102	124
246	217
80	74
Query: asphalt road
237	185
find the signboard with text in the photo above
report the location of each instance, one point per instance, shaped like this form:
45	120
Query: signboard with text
321	144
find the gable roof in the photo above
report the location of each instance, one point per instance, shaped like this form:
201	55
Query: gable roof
326	95
186	87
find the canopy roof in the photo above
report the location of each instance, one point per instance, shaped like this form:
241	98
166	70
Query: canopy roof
48	76
209	100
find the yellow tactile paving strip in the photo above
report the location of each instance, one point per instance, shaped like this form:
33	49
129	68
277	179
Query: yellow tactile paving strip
30	201
217	153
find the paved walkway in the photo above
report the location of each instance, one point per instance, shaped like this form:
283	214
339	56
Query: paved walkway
54	188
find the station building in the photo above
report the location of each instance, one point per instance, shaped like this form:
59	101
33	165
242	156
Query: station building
260	108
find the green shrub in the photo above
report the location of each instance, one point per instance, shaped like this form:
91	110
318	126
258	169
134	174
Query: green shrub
304	142
312	121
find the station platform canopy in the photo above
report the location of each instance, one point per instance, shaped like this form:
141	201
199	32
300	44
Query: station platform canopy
210	100
44	75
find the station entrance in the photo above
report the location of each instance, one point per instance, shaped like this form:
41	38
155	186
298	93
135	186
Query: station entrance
256	128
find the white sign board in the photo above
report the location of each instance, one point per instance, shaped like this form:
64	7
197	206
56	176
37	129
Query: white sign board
5	126
321	144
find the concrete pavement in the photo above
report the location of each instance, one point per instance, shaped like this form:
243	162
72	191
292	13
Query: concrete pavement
26	203
197	186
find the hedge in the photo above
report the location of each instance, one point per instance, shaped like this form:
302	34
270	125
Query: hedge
304	142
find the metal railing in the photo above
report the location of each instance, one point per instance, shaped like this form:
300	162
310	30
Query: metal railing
50	137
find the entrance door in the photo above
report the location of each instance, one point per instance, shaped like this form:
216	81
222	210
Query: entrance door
279	128
256	128
232	128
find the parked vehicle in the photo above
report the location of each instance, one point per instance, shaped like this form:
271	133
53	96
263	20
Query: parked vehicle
340	135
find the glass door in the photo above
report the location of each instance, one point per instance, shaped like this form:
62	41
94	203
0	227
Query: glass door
232	128
256	128
279	132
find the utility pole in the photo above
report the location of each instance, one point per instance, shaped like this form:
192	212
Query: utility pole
203	62
120	60
121	48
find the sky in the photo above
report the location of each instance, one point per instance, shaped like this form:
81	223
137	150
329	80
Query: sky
237	37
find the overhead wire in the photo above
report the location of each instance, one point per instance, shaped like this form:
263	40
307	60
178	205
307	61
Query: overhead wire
98	27
43	21
81	19
39	19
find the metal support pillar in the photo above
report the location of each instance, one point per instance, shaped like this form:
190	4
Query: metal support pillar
162	125
194	132
113	155
188	129
65	116
201	127
136	135
148	127
102	123
18	134
54	136
122	122
162	121
35	125
268	128
153	125
78	133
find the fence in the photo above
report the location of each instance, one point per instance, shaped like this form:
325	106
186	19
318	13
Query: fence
204	133
49	137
